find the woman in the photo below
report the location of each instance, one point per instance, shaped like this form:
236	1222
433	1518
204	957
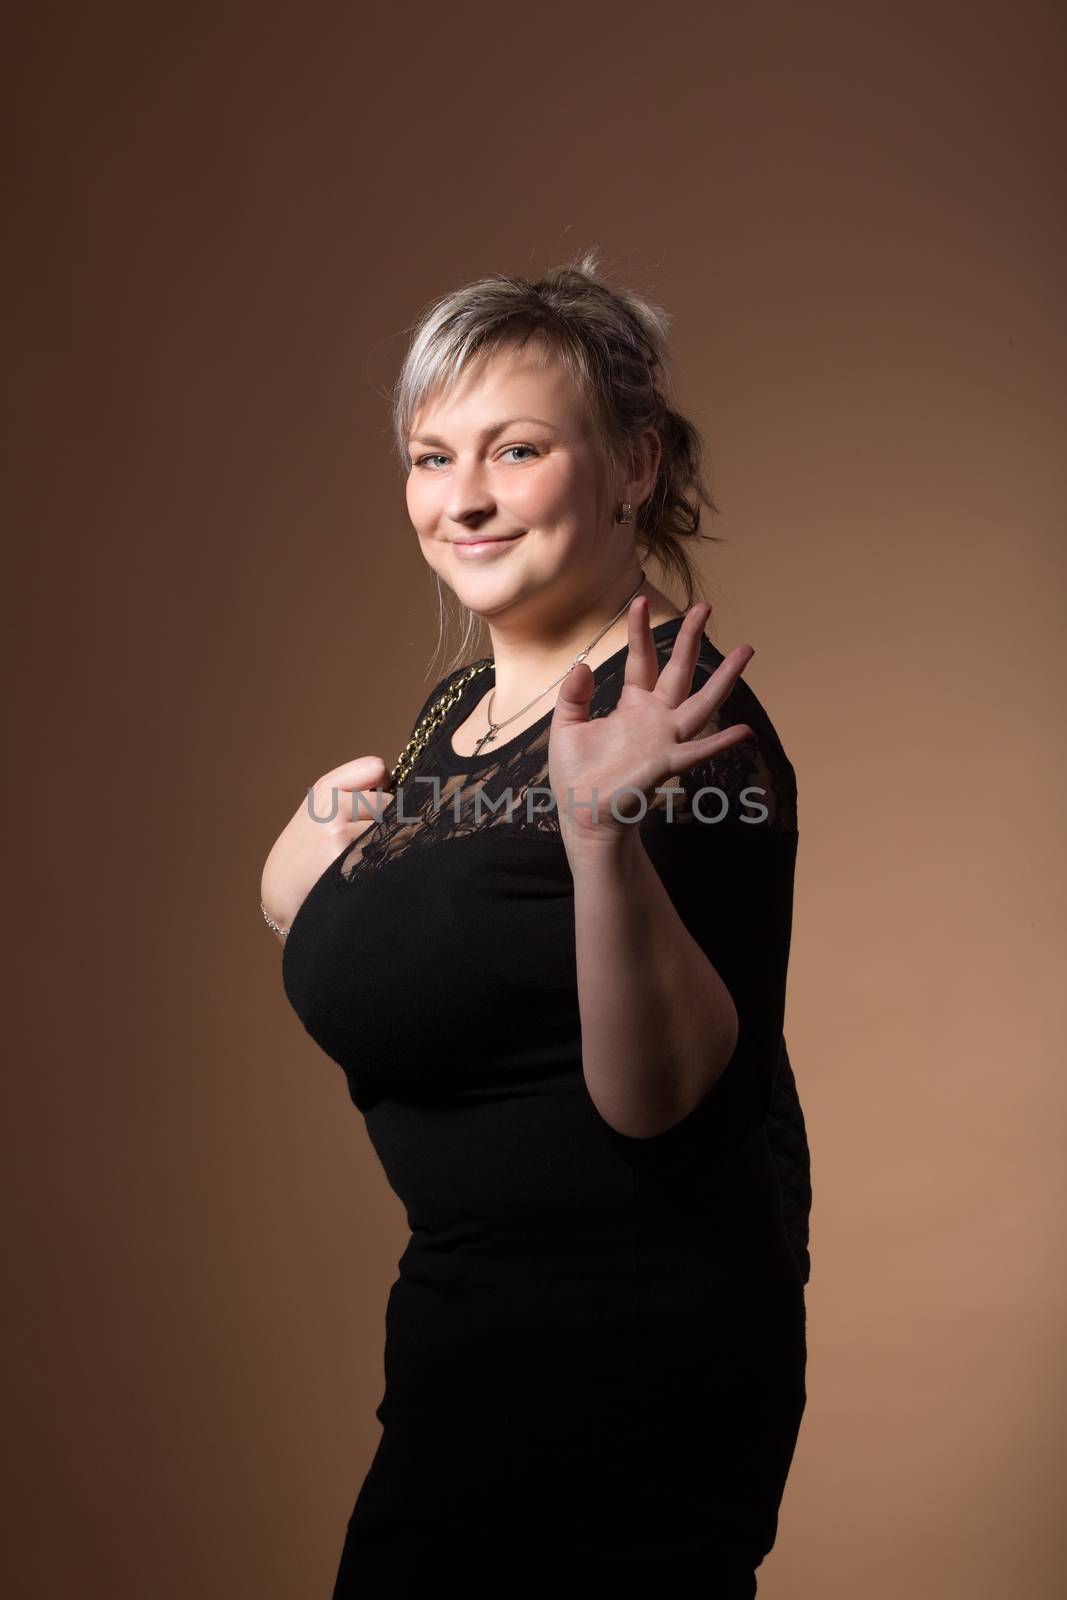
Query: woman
549	951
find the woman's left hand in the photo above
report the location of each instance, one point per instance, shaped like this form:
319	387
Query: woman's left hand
654	733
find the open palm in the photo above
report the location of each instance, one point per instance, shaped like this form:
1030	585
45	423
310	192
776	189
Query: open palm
655	733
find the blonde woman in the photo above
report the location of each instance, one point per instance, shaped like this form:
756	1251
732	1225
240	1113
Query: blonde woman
549	950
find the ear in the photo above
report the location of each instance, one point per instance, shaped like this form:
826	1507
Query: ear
645	457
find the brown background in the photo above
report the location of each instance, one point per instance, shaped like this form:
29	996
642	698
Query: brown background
222	228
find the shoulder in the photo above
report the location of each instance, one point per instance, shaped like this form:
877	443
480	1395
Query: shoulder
452	683
742	704
760	760
755	772
430	717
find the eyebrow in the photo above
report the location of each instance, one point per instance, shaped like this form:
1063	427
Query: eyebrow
487	434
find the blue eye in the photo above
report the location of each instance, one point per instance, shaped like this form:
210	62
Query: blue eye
422	460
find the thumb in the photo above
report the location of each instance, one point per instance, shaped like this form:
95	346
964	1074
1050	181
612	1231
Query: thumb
575	693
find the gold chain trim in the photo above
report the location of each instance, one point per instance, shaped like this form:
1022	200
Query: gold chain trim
432	720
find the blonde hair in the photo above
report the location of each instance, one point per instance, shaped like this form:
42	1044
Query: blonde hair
614	344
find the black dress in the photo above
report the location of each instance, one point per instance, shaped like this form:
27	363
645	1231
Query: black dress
595	1344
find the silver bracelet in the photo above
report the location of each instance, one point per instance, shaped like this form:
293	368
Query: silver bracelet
271	924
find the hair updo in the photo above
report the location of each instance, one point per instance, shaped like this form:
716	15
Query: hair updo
614	343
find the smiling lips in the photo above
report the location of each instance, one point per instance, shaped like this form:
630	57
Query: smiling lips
477	547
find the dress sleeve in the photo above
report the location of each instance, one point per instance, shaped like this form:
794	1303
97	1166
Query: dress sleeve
725	849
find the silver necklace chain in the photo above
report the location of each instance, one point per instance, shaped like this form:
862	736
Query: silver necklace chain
494	727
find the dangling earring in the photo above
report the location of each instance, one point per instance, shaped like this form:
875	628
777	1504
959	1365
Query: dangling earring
623	513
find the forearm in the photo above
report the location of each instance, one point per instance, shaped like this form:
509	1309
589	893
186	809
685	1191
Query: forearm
658	1023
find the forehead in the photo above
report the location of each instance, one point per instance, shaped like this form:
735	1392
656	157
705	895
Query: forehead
503	383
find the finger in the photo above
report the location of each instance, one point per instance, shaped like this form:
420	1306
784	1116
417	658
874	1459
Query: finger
575	693
697	711
692	752
370	805
676	679
363	772
642	662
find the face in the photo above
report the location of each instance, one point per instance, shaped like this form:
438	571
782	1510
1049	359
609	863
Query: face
506	491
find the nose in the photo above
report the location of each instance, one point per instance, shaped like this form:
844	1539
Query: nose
469	499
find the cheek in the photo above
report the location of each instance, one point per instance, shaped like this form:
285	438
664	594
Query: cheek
425	505
554	493
415	498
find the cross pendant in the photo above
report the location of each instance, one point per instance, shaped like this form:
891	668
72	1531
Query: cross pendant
485	738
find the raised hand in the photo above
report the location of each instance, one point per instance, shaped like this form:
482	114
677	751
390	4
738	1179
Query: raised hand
655	733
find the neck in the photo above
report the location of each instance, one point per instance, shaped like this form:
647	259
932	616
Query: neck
531	651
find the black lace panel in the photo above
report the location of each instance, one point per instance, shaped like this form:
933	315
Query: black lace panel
432	805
